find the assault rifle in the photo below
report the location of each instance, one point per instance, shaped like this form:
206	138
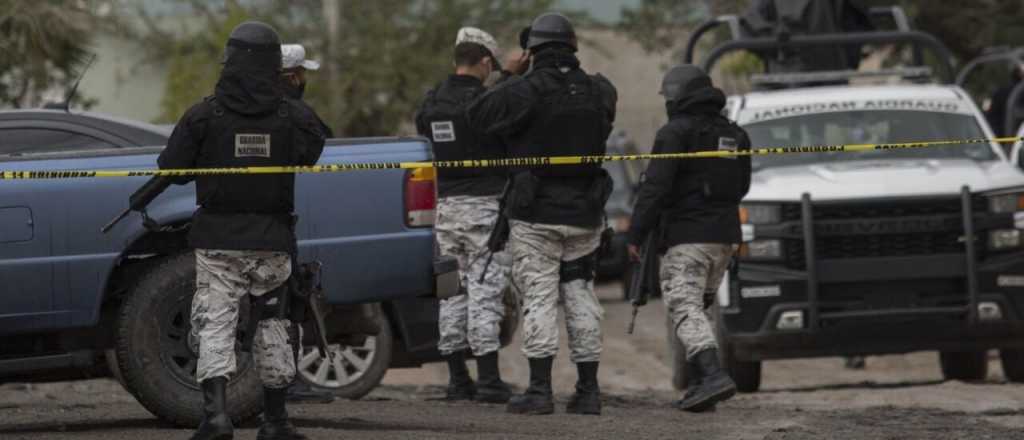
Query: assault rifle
644	280
139	200
499	233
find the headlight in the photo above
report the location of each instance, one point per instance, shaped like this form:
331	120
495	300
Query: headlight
762	249
1006	203
760	214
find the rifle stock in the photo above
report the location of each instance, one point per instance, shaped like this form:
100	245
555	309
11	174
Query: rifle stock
140	199
500	232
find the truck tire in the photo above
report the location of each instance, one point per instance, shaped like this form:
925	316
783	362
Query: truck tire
354	369
154	355
968	366
1013	364
746	374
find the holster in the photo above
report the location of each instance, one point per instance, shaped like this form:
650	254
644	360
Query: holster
310	301
525	186
299	299
583	268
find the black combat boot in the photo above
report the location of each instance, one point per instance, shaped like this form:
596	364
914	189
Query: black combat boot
489	386
714	385
275	417
537	398
460	385
694	379
216	423
587	398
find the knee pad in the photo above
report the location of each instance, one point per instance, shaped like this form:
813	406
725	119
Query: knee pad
584	268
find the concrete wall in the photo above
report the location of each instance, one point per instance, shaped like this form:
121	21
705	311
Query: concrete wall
636	75
120	82
126	87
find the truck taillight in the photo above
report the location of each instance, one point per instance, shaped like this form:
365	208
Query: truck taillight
420	197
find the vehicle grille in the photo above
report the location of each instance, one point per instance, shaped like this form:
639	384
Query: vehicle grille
832	211
888	245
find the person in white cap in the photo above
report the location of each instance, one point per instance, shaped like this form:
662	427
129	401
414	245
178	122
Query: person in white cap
293	73
466	210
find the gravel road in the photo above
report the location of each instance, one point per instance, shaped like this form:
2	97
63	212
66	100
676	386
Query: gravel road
895	397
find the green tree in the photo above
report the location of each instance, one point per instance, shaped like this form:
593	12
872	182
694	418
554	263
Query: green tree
44	43
378	57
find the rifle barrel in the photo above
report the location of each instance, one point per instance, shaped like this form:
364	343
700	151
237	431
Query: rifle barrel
632	320
106	228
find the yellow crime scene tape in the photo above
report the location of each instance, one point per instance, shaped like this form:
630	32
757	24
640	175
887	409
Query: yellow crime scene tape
509	162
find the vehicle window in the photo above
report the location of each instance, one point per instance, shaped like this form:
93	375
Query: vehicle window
46	140
868	127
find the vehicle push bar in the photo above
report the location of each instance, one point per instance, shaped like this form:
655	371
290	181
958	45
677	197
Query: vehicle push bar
918	39
814	314
896	13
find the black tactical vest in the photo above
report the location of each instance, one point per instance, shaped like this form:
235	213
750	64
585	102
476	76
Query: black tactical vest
250	141
718	179
570	120
444	114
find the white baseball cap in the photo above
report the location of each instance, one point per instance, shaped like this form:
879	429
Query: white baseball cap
475	35
294	55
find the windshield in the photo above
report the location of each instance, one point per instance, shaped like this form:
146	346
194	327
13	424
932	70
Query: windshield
868	127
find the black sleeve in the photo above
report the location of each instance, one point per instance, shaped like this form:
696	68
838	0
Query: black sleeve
655	186
183	146
609	95
309	136
504	109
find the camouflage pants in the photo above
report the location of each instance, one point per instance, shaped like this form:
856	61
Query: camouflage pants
689	273
537	253
472	320
222	279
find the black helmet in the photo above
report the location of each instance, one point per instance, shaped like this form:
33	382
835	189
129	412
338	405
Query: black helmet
253	36
683	80
551	28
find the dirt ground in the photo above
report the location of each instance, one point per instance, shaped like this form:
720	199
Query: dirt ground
895	397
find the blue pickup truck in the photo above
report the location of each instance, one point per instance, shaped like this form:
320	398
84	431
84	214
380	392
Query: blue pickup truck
77	303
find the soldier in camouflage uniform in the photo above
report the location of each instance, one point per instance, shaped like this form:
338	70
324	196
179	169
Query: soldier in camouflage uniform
243	232
556	212
693	206
466	212
222	279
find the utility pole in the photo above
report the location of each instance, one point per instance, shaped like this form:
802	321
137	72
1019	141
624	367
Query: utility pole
332	16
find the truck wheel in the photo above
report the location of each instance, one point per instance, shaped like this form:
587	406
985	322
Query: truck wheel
1013	364
677	355
746	374
110	356
354	369
967	366
154	354
510	321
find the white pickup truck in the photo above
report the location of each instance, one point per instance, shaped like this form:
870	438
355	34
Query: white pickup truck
874	252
